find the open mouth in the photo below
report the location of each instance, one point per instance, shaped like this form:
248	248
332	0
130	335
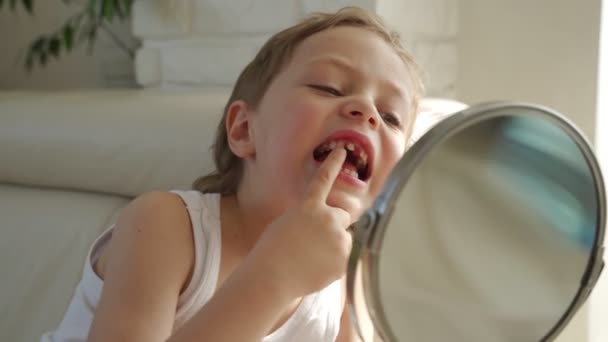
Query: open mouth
356	163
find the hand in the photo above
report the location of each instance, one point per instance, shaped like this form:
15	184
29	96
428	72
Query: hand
307	247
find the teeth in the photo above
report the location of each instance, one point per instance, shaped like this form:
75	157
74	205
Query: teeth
350	172
333	144
363	157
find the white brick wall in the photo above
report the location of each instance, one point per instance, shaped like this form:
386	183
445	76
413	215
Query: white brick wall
200	43
208	61
430	29
237	17
309	6
439	60
153	19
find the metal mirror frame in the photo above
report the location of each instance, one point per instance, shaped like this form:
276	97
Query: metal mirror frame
370	229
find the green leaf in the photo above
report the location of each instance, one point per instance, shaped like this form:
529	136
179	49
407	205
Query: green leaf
117	8
38	44
68	36
128	7
29	6
124	6
37	49
13	4
1	3
107	9
55	47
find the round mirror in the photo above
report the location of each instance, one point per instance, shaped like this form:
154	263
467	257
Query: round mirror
489	229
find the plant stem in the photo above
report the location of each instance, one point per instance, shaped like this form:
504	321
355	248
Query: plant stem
117	40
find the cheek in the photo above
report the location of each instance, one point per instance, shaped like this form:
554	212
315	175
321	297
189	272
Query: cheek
289	131
393	149
299	119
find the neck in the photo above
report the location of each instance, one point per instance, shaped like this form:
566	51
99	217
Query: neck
247	214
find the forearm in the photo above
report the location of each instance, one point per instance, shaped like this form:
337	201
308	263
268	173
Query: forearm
244	309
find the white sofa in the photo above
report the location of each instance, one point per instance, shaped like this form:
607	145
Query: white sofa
69	162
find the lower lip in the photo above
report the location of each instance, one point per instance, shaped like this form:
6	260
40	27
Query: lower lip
350	180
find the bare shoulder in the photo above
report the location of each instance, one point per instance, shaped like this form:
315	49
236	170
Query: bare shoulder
145	267
151	206
151	216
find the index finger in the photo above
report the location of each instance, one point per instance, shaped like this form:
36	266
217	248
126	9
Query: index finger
326	174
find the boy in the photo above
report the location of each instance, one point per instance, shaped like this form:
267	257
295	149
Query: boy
259	249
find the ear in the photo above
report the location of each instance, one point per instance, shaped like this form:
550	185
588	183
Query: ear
238	129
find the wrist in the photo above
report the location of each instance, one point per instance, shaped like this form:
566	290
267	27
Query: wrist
250	299
265	275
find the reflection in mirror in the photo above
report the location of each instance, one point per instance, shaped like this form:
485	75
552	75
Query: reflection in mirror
490	237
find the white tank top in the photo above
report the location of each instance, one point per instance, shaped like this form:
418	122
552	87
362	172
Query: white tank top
317	317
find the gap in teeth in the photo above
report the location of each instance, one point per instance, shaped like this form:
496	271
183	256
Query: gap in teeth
360	157
359	152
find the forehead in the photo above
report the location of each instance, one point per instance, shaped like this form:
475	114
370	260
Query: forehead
361	49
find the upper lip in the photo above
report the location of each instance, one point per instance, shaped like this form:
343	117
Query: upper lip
358	138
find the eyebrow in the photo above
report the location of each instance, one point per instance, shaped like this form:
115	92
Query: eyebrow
341	64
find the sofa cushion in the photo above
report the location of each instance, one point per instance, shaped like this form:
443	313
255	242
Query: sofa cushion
68	163
46	234
118	142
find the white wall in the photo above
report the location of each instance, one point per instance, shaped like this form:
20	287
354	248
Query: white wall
106	67
430	30
543	51
206	43
185	41
599	297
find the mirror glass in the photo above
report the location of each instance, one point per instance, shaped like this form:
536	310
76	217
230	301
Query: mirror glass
491	235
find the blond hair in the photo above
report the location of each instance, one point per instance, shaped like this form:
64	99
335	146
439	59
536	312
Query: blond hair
254	80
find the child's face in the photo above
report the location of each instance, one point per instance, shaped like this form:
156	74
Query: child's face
343	85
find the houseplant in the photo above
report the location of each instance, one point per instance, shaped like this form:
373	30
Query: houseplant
83	27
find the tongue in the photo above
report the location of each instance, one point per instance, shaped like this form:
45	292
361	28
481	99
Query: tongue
349	166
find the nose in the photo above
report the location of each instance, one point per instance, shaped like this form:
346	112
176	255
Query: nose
362	110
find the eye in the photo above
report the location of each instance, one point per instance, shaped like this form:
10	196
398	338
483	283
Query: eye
327	89
391	119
